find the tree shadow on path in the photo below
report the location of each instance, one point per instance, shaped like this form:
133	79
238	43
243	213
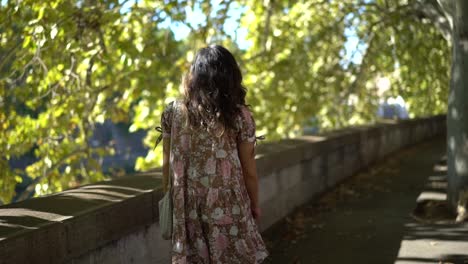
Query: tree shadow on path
362	220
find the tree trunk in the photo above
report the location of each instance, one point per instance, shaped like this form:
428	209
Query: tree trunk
457	114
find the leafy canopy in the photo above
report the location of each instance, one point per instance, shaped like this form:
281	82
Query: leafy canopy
67	65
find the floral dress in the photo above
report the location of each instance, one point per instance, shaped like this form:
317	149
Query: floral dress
213	222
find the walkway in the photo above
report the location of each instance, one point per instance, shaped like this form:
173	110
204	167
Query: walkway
364	220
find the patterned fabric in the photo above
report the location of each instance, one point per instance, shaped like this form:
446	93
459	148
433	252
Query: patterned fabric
213	222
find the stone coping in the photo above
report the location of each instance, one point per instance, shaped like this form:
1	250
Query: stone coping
277	155
65	225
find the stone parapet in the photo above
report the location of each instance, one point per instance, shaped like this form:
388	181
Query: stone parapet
116	221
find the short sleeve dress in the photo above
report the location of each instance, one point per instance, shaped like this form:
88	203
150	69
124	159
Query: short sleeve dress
213	222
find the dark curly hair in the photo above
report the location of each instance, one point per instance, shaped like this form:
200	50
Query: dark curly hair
213	89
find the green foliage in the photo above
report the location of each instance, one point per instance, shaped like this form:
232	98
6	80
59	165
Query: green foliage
297	68
69	64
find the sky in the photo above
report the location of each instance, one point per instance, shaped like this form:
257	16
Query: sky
197	18
232	28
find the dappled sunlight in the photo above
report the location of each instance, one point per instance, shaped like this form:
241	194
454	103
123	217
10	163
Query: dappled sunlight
313	138
91	196
454	113
433	235
437	178
431	203
70	67
432	196
371	207
312	68
14	220
103	193
461	165
437	186
258	156
440	168
451	143
64	205
24	212
6	224
101	186
440	232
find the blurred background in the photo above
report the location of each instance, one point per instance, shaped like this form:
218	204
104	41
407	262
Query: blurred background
83	83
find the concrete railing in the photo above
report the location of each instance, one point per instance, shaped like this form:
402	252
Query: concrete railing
116	221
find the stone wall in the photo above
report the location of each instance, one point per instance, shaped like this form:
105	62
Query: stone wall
116	221
294	171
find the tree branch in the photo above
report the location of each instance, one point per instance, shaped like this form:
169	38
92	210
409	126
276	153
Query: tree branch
439	12
266	30
32	186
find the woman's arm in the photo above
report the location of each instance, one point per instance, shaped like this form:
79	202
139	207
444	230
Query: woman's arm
249	171
165	165
166	123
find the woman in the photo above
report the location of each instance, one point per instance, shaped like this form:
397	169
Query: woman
208	144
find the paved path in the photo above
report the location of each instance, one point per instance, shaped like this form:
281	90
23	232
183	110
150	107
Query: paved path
365	219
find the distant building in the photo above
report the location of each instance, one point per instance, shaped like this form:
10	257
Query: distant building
393	108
